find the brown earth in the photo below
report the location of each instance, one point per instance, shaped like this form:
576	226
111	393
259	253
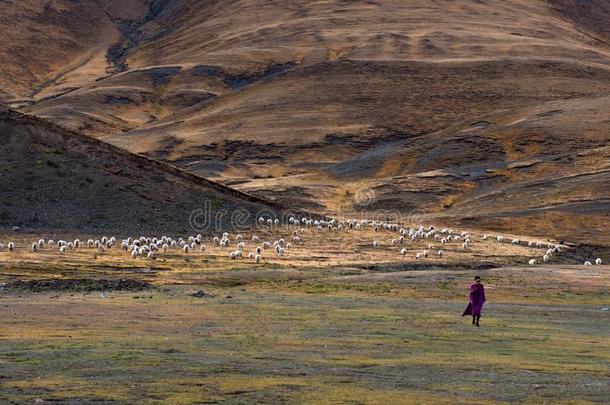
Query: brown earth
57	179
490	113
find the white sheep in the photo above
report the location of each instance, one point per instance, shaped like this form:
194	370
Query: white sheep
403	252
545	258
588	263
440	253
598	261
11	246
34	247
258	258
62	249
375	243
186	248
532	262
150	255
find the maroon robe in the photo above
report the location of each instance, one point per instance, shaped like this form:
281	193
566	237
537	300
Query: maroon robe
477	299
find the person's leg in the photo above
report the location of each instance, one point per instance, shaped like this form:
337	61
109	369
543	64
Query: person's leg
473	319
478	317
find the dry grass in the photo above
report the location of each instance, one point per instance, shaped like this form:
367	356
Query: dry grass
289	331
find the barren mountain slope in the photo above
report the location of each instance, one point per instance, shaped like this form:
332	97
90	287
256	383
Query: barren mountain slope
50	47
54	179
190	52
308	101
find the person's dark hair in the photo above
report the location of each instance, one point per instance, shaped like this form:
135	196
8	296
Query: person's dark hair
477	278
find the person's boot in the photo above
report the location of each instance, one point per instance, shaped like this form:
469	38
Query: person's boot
478	317
473	319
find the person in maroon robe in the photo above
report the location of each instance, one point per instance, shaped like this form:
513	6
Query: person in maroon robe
477	299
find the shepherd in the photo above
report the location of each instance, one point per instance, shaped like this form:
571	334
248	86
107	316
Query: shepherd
477	299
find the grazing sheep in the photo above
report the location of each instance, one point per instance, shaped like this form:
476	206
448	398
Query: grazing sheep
258	258
62	250
150	255
598	261
255	238
500	239
239	237
532	262
545	258
440	253
375	243
250	255
403	252
485	237
258	250
588	263
186	248
419	256
241	245
11	246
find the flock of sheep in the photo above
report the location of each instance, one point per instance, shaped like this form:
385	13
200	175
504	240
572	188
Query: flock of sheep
150	247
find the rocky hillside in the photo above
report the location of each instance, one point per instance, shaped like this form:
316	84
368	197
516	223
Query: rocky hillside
54	179
308	102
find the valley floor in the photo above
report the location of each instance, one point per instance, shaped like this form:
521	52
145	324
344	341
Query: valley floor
320	335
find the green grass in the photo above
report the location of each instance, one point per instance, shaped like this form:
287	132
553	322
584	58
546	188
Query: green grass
313	335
